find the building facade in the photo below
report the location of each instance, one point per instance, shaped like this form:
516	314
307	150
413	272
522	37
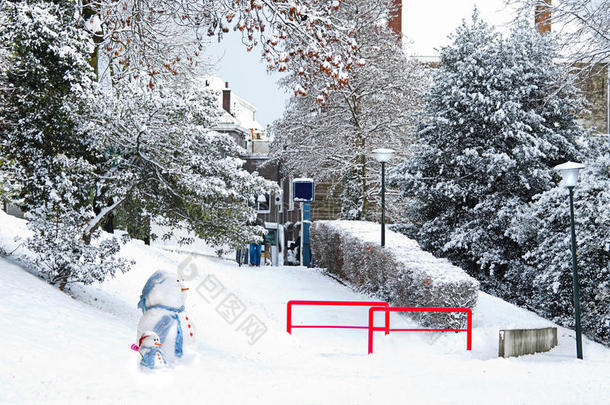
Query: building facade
238	117
277	213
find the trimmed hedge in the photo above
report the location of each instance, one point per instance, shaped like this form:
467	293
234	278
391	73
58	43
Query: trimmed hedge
401	273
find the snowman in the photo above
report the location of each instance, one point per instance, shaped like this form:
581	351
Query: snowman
149	349
162	303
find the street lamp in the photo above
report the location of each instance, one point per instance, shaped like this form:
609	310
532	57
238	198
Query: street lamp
569	173
383	156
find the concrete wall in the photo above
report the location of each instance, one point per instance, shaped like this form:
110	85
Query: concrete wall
517	342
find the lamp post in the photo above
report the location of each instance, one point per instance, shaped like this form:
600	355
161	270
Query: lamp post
383	156
569	173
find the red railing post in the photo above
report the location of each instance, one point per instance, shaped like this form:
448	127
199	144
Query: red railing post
469	330
289	318
291	303
371	320
387	320
387	310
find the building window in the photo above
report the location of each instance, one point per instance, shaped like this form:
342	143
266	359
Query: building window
263	205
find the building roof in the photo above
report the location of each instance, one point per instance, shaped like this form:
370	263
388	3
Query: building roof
242	117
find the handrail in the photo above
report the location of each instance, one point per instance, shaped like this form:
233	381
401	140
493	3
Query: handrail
378	304
387	330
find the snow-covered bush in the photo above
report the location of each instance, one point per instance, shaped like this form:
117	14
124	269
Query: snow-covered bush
401	273
62	257
500	113
60	254
543	229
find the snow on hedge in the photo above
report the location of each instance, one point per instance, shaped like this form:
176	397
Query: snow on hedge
401	273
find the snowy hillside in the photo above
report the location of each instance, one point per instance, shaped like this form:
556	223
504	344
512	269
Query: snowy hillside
57	349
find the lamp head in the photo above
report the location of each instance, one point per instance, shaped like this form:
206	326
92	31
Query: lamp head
383	155
569	173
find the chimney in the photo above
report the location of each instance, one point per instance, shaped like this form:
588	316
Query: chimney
396	19
543	16
226	98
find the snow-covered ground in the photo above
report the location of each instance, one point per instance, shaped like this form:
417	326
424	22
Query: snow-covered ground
59	349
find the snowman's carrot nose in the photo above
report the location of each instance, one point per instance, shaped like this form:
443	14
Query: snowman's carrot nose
184	289
158	344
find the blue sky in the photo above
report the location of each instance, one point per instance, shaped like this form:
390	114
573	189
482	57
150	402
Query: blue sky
425	23
248	77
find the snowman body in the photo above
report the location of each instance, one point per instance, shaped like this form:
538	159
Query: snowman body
150	355
152	358
162	302
174	329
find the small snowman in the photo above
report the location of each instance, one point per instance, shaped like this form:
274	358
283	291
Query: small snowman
150	352
162	303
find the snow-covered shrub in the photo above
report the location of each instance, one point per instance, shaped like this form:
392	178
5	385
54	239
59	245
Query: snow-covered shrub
401	273
500	113
61	255
543	228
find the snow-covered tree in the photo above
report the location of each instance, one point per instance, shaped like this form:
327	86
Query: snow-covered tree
501	112
543	229
71	144
49	85
5	86
163	158
332	139
44	152
151	38
5	107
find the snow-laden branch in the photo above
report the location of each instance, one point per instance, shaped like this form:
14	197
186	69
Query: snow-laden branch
95	222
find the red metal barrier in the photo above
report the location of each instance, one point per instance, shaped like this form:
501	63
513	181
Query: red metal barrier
377	304
387	330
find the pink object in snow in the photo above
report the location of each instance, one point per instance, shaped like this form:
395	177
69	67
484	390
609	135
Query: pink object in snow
135	348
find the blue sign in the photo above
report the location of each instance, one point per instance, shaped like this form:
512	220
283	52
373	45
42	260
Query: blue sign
303	190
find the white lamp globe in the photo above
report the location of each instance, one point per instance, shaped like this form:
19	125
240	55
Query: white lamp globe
569	173
383	155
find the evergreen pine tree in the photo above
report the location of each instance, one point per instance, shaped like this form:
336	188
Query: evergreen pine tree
49	86
543	229
500	113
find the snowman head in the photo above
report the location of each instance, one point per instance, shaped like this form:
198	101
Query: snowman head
149	339
163	288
